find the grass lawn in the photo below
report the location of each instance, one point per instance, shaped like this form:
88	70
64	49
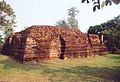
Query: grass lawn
92	69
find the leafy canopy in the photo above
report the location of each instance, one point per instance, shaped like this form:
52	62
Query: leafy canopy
111	32
71	21
7	18
99	5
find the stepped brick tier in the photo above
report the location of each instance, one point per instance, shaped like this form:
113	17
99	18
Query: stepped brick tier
46	42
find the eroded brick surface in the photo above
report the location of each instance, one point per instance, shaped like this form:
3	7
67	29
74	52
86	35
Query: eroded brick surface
46	42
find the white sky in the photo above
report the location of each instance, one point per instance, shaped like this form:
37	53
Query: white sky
47	12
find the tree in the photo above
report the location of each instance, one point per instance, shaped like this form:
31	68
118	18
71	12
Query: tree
99	5
1	40
7	18
71	21
110	24
62	23
112	39
111	31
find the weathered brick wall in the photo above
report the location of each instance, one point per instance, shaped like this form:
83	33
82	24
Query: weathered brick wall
45	42
98	48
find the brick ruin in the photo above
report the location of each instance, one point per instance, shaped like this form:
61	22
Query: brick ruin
46	42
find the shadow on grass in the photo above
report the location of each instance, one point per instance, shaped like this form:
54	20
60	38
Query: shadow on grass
97	72
67	74
85	73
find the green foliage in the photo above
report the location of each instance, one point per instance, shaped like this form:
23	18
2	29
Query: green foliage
71	21
1	40
112	39
7	18
111	31
85	1
99	5
62	23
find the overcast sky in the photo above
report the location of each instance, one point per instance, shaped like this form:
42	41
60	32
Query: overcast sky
47	12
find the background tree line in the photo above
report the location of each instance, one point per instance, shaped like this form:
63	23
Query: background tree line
111	32
71	21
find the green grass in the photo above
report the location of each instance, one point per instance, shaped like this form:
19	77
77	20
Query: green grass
92	69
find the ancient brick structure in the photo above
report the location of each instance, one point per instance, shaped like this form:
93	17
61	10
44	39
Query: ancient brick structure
45	42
